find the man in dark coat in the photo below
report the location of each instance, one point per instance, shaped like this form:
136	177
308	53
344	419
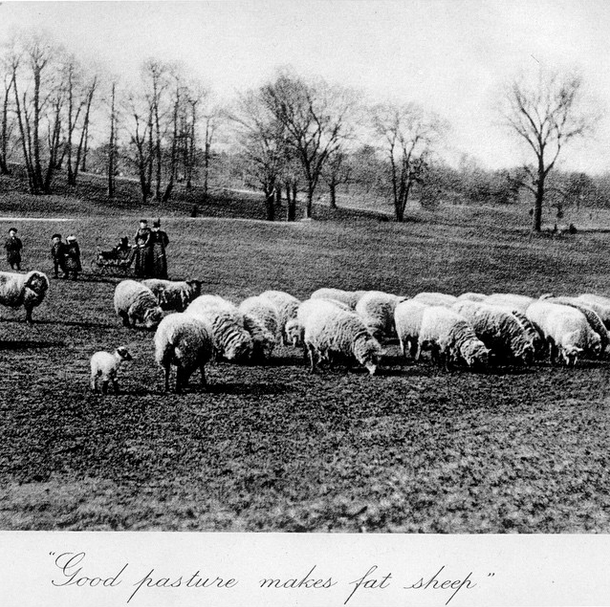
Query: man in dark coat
13	246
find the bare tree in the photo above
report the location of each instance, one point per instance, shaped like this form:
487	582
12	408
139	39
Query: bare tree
112	142
5	126
315	117
405	134
336	172
547	114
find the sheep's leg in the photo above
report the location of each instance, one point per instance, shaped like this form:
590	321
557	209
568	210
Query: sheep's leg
417	353
105	386
92	382
204	381
166	374
179	380
125	318
115	385
312	358
28	315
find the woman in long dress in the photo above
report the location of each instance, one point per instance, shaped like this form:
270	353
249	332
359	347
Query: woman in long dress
143	250
159	242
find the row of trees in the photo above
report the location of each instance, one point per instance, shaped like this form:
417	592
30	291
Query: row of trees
291	133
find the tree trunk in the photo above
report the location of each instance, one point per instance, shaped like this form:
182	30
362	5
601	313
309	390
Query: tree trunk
309	205
111	147
270	204
333	194
537	216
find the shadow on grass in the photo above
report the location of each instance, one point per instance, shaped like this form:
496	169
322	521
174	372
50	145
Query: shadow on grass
75	323
30	345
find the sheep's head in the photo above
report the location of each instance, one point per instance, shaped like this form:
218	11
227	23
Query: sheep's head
152	317
368	353
194	287
123	353
37	282
527	354
239	349
570	354
475	354
595	344
294	332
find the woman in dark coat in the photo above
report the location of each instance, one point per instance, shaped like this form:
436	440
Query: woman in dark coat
159	241
143	250
13	248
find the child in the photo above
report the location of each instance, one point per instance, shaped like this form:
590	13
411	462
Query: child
58	253
72	257
13	246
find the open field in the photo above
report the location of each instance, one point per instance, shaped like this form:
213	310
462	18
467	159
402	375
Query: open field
415	449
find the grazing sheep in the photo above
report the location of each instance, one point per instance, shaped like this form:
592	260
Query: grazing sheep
27	290
472	297
598	303
566	330
263	310
105	366
376	309
450	338
185	342
436	299
349	298
500	331
595	321
263	341
134	302
516	302
295	328
231	339
331	331
287	306
407	318
174	295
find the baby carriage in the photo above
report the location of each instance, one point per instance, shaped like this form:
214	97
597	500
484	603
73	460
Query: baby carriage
117	260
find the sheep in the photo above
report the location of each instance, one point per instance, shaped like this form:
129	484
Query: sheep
174	295
595	321
600	304
27	290
407	319
134	302
516	302
450	338
295	328
350	298
436	299
265	311
472	297
105	366
287	306
186	342
231	340
376	309
499	330
330	330
566	330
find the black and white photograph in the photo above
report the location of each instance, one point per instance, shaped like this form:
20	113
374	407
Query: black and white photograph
315	269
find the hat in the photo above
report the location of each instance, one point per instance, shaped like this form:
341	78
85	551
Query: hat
157	223
143	220
56	236
71	237
12	229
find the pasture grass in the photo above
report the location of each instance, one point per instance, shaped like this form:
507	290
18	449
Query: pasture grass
271	447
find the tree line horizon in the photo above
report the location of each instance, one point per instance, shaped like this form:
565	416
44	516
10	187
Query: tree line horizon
288	136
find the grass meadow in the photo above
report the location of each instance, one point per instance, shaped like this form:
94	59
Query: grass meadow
272	447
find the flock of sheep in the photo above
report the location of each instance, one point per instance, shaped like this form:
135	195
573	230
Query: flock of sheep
470	330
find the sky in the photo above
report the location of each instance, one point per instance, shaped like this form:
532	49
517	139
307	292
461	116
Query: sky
453	56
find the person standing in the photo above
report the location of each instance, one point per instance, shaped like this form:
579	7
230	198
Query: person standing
72	257
13	246
58	253
143	250
159	242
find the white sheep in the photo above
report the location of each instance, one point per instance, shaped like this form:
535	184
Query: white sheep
595	321
566	330
512	300
295	328
287	306
500	331
349	298
185	342
407	318
231	340
134	302
600	304
472	297
436	299
376	309
265	311
27	290
105	367
450	338
331	331
174	295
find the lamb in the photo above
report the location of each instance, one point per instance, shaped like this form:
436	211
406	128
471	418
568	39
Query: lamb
566	330
595	321
105	366
330	330
186	342
450	338
436	299
134	302
515	301
287	306
500	331
407	319
472	297
376	309
174	295
231	340
350	298
27	290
